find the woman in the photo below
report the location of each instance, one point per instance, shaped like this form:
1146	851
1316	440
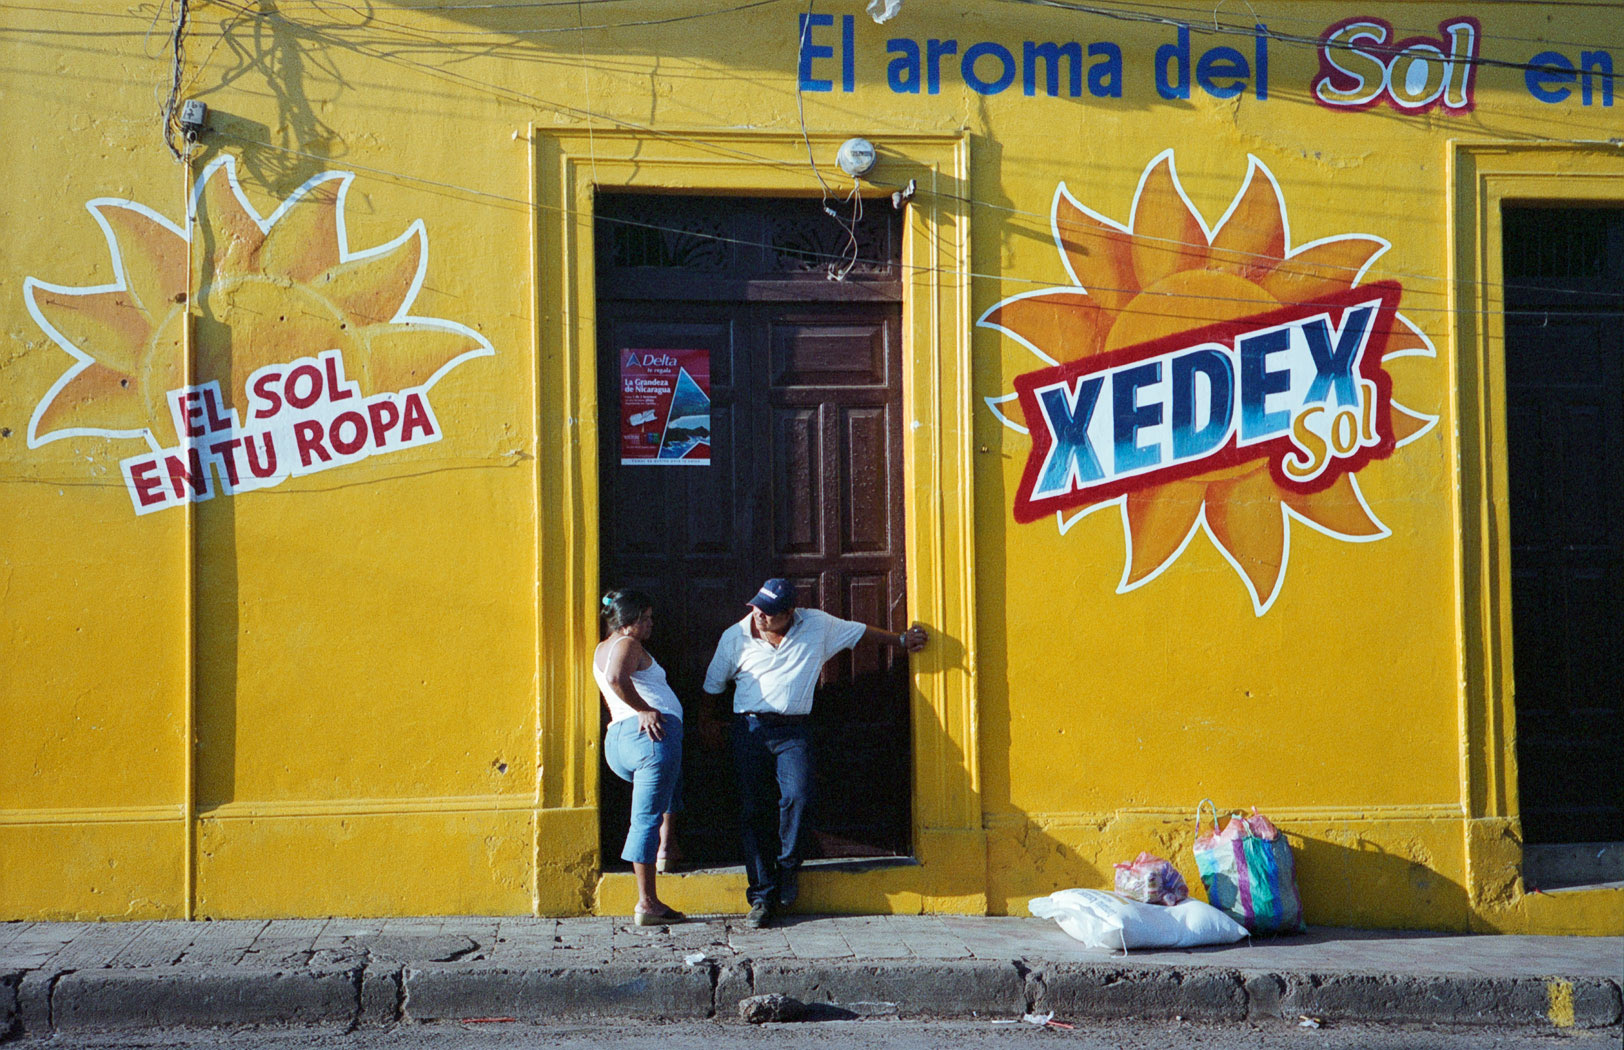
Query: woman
644	742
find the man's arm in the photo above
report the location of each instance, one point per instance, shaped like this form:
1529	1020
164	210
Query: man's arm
913	639
722	667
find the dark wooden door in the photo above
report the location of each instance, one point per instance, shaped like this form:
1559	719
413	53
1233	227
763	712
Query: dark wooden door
804	481
1565	426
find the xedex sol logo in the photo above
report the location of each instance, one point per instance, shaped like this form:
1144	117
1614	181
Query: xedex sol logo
1207	378
1301	387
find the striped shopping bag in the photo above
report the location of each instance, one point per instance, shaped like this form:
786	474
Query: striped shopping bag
1248	871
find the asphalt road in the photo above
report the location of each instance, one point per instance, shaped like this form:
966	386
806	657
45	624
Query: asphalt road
840	1035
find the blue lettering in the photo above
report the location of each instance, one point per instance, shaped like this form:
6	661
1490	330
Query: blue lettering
848	55
1105	76
935	50
1006	75
903	73
1257	383
1333	369
1558	70
1050	55
1188	441
1071	457
811	51
1262	60
1178	54
1129	417
1222	63
1602	63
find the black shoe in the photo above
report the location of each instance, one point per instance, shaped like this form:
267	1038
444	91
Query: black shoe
761	915
788	887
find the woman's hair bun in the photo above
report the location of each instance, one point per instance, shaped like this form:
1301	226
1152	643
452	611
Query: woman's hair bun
624	606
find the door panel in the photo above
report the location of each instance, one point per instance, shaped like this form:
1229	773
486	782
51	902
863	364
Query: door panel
798	453
805	482
807	353
864	494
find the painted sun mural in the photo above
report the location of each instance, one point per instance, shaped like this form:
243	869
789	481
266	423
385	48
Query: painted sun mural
1207	379
303	354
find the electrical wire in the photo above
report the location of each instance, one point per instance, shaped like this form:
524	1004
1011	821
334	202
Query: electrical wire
1039	218
177	70
584	220
1123	15
1198	19
722	150
1317	43
837	271
834	271
439	34
1196	15
177	46
514	5
586	86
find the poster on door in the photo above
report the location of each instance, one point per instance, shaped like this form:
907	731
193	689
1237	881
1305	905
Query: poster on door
665	408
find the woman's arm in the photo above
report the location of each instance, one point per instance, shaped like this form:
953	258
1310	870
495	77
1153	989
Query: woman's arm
625	658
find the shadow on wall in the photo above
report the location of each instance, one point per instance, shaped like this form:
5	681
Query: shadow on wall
215	650
1025	859
1366	885
1359	884
289	58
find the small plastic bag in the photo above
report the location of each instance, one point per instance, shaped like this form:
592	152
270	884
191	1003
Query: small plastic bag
1151	879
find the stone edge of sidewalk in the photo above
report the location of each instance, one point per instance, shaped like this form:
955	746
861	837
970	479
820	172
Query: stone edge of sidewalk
41	1002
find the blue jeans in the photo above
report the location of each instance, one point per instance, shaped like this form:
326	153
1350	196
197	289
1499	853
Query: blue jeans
774	763
654	769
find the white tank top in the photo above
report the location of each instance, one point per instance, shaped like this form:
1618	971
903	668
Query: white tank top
651	686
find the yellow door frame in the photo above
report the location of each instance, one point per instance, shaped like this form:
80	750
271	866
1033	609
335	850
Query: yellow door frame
1482	177
570	166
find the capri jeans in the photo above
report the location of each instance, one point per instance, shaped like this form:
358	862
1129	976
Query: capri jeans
654	769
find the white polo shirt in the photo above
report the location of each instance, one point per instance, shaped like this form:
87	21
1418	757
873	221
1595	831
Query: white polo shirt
779	680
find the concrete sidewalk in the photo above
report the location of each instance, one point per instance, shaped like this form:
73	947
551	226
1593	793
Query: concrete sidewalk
68	977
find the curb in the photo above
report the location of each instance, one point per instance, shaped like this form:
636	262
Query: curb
1140	994
445	993
945	990
41	1002
171	997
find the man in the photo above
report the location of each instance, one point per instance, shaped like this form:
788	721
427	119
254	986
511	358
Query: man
774	656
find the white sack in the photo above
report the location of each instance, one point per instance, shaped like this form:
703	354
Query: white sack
1105	920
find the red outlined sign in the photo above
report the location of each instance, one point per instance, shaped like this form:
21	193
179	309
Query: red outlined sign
1301	386
1362	64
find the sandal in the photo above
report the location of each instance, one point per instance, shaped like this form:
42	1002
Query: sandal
666	865
663	917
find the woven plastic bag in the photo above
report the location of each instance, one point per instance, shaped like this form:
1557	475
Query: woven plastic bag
1151	879
1248	871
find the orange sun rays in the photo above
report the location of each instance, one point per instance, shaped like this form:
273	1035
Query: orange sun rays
1166	272
267	290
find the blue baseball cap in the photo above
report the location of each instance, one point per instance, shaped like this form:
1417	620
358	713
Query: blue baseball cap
777	596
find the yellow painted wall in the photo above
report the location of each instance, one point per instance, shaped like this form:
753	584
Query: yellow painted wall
379	664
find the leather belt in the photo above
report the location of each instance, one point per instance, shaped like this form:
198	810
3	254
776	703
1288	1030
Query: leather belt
772	718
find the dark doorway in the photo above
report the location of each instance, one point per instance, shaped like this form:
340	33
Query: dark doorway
1564	275
804	480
